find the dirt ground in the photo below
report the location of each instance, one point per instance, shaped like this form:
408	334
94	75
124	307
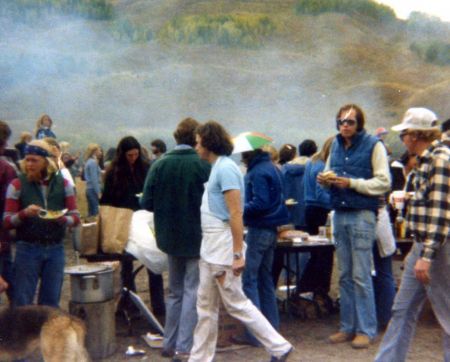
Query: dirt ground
307	336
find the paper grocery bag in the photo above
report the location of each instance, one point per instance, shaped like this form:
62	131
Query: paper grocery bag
114	228
89	237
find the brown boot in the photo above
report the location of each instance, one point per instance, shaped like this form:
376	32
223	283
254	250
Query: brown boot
340	337
361	341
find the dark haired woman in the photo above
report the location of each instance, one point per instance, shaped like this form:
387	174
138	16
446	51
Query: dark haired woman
124	179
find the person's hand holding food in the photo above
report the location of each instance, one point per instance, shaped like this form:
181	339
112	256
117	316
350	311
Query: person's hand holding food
326	178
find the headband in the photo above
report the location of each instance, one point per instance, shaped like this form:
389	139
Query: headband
36	150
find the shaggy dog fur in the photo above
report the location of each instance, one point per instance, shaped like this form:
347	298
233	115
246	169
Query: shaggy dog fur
59	335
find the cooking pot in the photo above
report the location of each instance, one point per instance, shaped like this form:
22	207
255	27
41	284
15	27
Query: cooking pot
91	283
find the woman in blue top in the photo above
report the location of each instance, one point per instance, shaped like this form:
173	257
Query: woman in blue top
317	274
43	127
92	175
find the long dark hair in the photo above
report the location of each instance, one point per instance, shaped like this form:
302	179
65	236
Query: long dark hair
123	176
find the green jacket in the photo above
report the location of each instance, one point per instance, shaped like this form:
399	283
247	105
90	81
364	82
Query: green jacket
173	190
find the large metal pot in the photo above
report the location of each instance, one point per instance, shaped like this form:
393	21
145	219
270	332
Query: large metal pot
91	283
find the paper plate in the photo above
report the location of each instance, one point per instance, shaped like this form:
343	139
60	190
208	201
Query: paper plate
51	214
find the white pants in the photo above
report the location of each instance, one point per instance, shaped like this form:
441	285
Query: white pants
219	281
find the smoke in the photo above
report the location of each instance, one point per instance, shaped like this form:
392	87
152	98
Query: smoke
99	89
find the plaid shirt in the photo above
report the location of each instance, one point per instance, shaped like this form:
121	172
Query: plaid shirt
429	210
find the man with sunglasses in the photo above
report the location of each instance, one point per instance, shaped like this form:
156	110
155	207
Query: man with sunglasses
427	266
359	162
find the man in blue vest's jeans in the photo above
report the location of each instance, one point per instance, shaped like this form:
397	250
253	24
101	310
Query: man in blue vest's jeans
361	174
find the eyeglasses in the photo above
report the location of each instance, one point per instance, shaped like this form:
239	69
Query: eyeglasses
348	122
403	134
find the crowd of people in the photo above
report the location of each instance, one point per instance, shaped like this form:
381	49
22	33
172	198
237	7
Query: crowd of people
202	202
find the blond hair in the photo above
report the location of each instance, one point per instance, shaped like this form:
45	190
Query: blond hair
64	146
90	150
24	136
324	152
272	151
51	164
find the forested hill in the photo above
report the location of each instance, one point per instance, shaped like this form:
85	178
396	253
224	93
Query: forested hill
103	69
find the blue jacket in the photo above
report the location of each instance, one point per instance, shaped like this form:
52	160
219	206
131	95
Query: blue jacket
293	178
44	132
354	162
264	200
315	195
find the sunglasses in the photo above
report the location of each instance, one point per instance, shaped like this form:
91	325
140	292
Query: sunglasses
403	134
348	122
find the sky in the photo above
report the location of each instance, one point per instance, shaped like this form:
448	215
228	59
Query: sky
402	8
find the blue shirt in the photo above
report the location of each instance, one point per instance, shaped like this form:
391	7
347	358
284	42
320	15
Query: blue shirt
92	175
225	175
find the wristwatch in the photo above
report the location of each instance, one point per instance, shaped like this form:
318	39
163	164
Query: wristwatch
237	256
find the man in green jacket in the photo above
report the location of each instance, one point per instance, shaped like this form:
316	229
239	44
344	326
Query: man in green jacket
173	191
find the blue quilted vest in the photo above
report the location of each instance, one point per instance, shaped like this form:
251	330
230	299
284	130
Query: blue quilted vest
353	162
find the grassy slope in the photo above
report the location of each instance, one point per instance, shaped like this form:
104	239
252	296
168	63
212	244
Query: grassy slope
367	47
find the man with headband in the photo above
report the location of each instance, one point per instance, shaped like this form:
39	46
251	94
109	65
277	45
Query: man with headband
40	233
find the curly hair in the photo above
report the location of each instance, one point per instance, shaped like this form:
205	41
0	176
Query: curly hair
215	138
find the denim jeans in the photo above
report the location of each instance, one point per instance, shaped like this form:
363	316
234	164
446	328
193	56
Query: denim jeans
409	301
354	233
383	287
34	261
257	278
217	282
92	200
181	313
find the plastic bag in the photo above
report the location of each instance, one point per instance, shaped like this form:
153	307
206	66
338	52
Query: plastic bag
142	243
385	236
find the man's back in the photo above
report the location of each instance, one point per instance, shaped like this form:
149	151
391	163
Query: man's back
173	191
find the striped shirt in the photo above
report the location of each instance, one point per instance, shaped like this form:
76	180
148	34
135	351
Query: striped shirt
14	213
429	210
7	174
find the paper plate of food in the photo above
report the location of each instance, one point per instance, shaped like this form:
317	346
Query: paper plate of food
52	214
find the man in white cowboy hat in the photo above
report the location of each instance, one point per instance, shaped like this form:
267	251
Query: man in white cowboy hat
39	246
427	267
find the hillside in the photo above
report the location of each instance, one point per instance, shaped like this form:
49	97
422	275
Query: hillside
287	80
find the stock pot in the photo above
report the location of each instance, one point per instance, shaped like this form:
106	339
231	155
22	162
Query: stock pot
90	283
